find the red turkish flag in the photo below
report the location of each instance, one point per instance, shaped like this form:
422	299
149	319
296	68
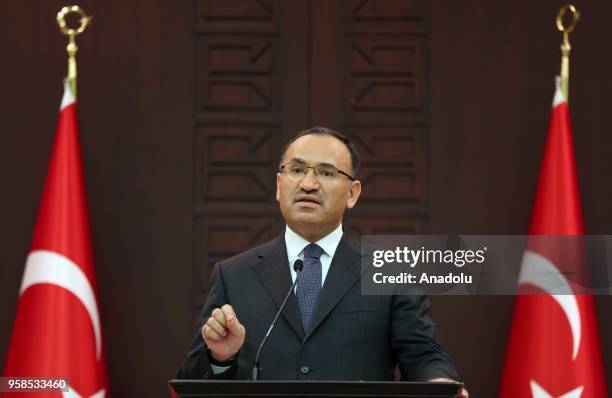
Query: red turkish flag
553	349
57	329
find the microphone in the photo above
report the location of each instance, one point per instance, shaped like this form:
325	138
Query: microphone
298	266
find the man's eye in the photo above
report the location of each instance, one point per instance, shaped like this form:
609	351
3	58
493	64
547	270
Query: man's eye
296	170
326	173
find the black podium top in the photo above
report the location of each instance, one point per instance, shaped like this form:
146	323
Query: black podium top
319	389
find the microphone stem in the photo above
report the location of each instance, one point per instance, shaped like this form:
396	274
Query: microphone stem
256	369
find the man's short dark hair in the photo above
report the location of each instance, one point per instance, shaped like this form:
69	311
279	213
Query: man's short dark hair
325	131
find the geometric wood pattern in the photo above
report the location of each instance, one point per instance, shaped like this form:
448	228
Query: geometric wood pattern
220	237
366	65
238	119
235	163
393	162
385	110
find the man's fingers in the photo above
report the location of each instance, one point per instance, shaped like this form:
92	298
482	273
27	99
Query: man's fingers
236	327
216	326
224	319
231	321
228	312
219	316
209	333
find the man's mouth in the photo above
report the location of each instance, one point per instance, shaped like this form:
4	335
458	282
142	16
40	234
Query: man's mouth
308	199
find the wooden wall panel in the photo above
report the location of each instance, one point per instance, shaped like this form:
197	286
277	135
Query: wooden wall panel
386	79
394	163
240	61
370	81
235	163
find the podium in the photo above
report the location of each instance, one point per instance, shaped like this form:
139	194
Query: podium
318	389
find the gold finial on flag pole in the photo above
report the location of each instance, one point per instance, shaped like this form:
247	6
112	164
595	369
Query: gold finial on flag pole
72	48
565	45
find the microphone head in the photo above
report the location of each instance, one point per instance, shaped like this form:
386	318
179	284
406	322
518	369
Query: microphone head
298	265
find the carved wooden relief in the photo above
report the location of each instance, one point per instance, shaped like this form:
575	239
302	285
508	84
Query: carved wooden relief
361	68
238	114
386	111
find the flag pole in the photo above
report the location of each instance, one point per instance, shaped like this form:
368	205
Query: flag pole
565	45
72	48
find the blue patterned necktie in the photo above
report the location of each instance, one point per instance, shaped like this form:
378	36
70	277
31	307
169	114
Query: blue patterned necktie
308	287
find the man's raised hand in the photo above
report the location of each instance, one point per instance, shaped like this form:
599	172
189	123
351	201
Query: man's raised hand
223	333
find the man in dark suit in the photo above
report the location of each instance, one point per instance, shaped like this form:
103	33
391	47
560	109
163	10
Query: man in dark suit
328	329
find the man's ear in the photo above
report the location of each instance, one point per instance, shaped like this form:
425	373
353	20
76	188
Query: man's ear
277	190
353	194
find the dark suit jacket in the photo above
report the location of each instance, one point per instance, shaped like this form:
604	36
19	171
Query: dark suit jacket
352	336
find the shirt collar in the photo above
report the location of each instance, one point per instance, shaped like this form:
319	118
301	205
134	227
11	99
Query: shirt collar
296	244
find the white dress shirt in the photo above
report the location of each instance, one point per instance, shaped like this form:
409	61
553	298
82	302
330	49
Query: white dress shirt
296	244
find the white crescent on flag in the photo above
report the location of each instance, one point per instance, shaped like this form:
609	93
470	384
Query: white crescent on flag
43	266
539	271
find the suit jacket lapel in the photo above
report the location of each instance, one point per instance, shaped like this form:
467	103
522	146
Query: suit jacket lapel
343	273
273	271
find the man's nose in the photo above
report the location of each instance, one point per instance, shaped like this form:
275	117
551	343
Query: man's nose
310	180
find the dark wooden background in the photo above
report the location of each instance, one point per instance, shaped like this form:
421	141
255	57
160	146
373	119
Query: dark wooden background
184	106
